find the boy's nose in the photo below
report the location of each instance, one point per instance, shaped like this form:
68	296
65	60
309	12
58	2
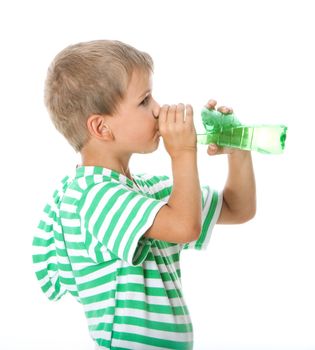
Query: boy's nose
156	111
155	116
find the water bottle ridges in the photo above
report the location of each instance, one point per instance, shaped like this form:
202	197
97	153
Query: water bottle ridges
227	131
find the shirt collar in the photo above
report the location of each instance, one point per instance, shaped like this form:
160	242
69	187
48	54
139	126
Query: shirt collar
83	171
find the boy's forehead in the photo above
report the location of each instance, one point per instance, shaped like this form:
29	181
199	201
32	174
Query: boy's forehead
140	82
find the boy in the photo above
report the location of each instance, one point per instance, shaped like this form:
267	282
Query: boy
111	238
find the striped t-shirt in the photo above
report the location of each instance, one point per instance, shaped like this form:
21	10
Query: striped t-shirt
90	243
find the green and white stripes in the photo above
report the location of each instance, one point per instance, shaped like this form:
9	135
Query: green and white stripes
90	243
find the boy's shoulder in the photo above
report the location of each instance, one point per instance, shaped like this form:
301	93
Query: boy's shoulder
160	186
151	179
87	178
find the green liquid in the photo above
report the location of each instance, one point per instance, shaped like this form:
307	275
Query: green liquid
263	139
227	131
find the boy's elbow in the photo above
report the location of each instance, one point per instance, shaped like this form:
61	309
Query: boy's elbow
192	233
252	211
247	215
195	231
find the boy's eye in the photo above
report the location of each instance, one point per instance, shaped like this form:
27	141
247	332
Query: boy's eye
145	101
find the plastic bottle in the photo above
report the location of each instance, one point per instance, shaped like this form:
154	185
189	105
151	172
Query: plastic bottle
225	130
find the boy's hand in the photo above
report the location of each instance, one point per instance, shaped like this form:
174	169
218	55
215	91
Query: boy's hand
239	194
225	110
177	129
179	221
214	149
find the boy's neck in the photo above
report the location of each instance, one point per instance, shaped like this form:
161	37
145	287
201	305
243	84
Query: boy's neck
120	165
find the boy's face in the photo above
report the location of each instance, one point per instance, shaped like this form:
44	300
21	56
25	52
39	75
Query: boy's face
134	126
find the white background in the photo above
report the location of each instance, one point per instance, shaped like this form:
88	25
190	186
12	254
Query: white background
254	287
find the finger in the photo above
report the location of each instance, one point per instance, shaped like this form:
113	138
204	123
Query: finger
225	110
211	104
163	115
180	109
215	150
189	115
212	149
171	116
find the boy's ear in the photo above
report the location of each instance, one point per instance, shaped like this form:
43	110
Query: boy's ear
98	128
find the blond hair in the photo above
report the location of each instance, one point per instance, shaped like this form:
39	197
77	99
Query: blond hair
89	78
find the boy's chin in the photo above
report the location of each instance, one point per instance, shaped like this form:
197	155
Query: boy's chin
156	146
150	150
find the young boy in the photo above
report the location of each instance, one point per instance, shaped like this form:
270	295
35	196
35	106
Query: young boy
112	238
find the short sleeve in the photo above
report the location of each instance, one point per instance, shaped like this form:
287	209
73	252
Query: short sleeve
117	218
211	208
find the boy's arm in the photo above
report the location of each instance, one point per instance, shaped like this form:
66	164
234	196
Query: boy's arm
239	194
179	221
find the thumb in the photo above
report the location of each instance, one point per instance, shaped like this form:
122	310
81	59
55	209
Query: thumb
214	150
